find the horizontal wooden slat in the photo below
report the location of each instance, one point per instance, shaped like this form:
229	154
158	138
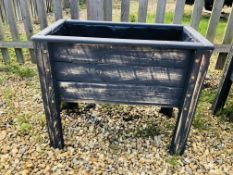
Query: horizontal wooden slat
129	94
120	74
16	44
222	48
120	55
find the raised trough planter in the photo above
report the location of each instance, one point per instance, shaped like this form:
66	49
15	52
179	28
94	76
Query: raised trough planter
137	64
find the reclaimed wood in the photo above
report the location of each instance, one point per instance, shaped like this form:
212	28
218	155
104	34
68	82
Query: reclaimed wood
120	74
226	40
107	10
42	14
179	10
160	11
187	111
197	12
74	9
5	53
50	96
142	11
125	5
214	19
95	10
125	93
26	17
13	29
107	54
225	85
58	9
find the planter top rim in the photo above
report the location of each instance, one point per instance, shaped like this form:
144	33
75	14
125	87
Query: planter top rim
200	43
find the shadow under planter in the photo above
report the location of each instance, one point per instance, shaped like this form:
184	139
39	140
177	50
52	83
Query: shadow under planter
135	64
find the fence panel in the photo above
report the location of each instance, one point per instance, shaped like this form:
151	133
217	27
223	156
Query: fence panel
13	29
227	40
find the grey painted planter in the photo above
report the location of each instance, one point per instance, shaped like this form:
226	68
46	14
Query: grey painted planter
126	63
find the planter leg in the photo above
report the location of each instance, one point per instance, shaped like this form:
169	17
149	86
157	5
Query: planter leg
187	112
166	111
50	96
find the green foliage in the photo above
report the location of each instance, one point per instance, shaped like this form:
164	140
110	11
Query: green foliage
173	160
132	18
21	70
22	124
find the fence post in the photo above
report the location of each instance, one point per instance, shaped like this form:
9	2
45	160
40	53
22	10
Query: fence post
142	12
125	10
26	16
42	14
196	15
74	9
160	11
13	29
179	10
5	53
58	9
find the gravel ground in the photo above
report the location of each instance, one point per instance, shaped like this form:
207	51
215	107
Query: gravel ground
102	139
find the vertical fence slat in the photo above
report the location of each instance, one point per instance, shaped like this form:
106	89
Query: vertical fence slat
26	17
74	10
197	11
142	11
179	11
95	10
160	11
5	53
125	5
41	14
13	28
58	9
108	10
227	40
215	16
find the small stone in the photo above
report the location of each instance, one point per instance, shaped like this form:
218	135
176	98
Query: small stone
14	151
3	135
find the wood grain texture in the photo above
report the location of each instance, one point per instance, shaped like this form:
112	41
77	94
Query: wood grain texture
120	74
118	55
125	6
214	19
160	11
132	94
225	84
226	40
179	11
186	114
107	10
42	14
50	96
142	11
74	9
13	28
197	12
26	17
95	10
58	9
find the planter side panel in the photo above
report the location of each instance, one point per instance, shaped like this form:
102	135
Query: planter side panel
120	74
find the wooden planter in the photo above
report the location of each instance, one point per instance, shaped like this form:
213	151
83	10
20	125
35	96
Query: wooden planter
106	62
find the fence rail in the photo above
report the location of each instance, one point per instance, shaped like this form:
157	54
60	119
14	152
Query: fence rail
29	11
